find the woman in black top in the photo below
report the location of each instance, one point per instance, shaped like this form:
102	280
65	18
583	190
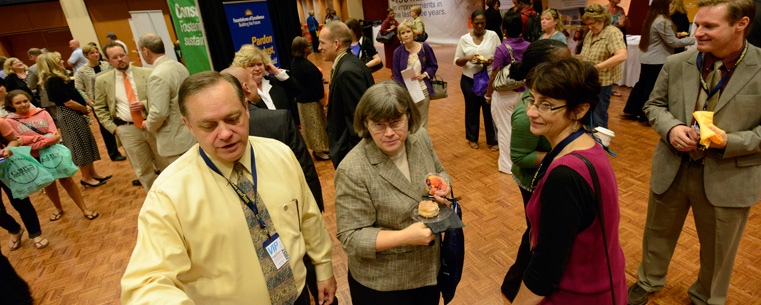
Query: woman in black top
312	99
493	17
17	76
73	114
363	47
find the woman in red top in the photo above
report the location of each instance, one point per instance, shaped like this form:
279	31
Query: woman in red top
18	101
389	25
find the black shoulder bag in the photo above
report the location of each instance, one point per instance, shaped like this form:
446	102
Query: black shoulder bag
598	198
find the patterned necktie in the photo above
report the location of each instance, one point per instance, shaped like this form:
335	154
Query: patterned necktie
280	283
137	116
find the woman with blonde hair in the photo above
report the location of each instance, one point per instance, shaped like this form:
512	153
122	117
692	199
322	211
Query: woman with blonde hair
72	112
418	27
419	56
17	76
679	17
275	92
84	81
605	48
552	25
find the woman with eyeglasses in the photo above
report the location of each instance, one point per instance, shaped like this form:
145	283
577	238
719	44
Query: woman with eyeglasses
659	42
552	26
605	48
377	185
576	256
527	150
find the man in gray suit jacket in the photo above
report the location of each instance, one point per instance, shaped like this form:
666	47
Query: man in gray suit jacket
164	120
120	113
719	182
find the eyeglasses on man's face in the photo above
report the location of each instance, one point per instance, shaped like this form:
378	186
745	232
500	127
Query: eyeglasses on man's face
542	107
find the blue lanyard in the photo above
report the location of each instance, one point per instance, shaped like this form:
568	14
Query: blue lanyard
723	80
249	203
551	155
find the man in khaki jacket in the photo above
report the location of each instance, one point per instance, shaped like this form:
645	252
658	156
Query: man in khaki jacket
164	119
120	107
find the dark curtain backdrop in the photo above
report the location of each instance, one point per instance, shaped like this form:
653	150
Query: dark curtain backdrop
285	25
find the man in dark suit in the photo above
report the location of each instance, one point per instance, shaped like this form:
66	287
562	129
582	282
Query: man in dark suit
349	79
278	125
718	181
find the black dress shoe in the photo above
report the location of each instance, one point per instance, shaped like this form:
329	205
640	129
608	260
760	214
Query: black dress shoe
136	182
119	158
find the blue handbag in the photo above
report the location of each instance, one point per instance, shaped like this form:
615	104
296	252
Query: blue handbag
452	257
480	82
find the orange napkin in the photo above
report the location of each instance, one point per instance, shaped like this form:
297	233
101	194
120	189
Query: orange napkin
705	119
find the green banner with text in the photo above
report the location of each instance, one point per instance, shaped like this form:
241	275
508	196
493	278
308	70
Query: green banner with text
187	25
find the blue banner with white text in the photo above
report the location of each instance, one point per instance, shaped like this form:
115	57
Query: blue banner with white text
250	23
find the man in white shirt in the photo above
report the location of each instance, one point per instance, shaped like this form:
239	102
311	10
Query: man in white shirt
120	98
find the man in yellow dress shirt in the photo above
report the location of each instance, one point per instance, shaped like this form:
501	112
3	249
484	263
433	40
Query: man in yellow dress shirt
193	244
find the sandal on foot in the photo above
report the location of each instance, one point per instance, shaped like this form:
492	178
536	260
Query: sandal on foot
92	215
14	245
494	147
473	145
56	216
42	243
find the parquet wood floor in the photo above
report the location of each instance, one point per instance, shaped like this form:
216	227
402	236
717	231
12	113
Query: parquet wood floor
85	259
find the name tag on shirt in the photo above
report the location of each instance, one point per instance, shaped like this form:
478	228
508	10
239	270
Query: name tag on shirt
276	250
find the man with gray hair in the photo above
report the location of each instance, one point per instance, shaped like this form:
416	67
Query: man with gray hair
164	119
349	79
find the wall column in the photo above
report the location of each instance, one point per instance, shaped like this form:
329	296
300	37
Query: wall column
354	8
79	21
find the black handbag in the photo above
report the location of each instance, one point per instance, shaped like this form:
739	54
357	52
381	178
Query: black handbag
452	259
385	38
439	88
367	58
421	38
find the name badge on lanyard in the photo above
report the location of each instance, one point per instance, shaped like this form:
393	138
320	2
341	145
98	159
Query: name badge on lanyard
276	250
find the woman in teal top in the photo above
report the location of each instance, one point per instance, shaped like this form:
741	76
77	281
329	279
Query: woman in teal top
553	26
527	150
